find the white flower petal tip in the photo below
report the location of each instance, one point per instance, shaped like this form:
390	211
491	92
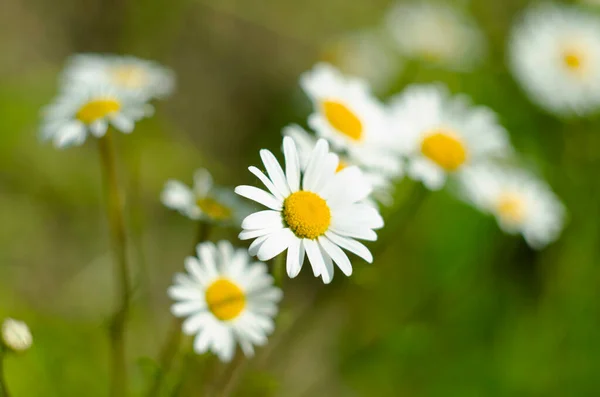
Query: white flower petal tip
16	336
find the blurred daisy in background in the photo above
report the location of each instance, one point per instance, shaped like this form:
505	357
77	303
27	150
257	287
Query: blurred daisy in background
380	179
347	115
205	201
226	300
436	34
16	336
317	210
442	135
555	55
365	54
132	75
520	202
91	109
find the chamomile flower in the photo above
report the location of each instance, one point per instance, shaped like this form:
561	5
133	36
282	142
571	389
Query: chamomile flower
204	201
315	211
380	180
520	202
132	75
91	109
348	115
436	34
442	135
16	336
555	55
226	300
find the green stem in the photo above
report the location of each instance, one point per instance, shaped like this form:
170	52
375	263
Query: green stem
115	213
278	269
3	388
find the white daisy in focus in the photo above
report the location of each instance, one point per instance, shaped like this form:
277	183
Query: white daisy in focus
520	202
436	34
380	180
348	116
442	135
226	299
316	210
365	54
91	109
132	75
16	336
555	55
205	201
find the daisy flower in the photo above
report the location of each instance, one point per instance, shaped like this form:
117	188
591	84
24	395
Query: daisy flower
226	299
436	34
520	202
132	75
554	53
442	135
348	115
379	179
90	109
314	211
204	201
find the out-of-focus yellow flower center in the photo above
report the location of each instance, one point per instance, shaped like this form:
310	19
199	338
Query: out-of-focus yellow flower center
511	207
341	165
97	109
129	76
343	119
225	299
445	149
306	214
214	209
574	59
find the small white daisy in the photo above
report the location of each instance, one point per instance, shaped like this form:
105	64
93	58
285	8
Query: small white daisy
365	54
379	179
436	34
442	135
315	210
226	299
90	109
16	335
555	55
520	202
348	115
132	75
205	201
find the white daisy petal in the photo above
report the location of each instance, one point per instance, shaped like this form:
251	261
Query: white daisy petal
263	219
266	181
295	258
275	244
292	164
351	245
260	196
275	172
315	257
338	256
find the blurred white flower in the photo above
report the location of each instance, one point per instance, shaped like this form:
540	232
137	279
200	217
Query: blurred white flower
348	115
205	201
436	34
132	75
90	109
442	135
380	179
365	54
16	335
555	55
315	210
226	299
520	202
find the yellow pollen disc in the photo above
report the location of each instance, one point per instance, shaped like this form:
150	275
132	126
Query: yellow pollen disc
306	214
129	76
213	208
511	208
225	299
343	119
445	149
97	109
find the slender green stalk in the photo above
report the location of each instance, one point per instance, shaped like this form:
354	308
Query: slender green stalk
115	213
278	269
3	388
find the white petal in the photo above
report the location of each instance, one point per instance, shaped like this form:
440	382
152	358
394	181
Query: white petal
351	245
207	254
203	182
73	133
327	274
266	181
256	244
177	196
195	269
248	234
98	128
260	196
354	230
314	256
314	167
348	186
122	123
203	340
276	244
338	256
178	292
263	220
292	164
275	172
295	258
194	323
184	309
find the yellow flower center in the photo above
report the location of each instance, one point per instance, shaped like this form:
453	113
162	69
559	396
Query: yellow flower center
129	76
445	149
225	299
97	109
511	208
306	214
341	165
213	208
343	119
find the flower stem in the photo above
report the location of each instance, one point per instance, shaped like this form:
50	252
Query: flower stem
3	388
115	213
279	269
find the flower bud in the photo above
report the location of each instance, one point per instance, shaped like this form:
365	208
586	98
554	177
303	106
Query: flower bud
15	335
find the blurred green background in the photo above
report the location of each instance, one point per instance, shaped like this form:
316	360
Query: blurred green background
450	307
